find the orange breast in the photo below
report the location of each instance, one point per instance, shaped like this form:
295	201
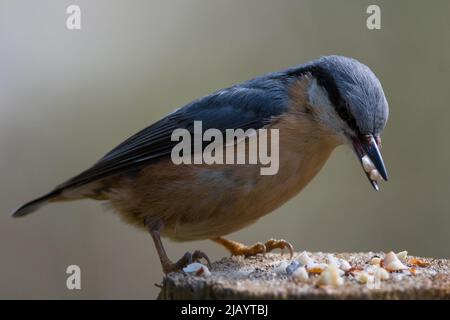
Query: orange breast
207	201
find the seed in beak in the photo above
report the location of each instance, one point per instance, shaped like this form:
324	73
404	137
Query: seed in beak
367	164
375	175
369	167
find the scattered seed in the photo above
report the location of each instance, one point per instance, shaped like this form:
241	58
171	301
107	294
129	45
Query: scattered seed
402	255
345	265
376	261
381	274
281	268
363	277
304	258
418	262
392	263
316	268
330	276
300	274
197	269
292	267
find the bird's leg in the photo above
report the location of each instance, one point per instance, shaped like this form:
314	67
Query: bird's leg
239	249
154	228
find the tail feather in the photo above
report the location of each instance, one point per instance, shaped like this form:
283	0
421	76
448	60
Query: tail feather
34	205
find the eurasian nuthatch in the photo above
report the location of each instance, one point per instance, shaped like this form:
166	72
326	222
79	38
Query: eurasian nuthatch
316	107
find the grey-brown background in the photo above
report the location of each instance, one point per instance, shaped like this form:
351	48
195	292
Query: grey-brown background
67	97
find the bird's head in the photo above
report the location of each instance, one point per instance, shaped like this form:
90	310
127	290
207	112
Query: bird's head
348	101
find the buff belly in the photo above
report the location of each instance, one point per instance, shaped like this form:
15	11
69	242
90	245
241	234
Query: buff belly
204	202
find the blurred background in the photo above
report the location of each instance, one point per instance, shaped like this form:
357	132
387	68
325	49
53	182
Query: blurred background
67	97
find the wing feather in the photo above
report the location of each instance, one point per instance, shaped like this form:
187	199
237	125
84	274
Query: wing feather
240	106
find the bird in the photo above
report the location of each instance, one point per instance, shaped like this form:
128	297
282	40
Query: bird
315	107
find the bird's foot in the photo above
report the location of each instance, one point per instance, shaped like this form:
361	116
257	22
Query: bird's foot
239	249
154	227
185	260
281	244
247	251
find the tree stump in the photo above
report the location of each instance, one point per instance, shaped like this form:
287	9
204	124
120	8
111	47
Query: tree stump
266	278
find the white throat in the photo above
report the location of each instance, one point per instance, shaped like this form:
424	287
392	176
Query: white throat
325	111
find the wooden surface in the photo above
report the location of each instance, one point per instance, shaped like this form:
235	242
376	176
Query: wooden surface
259	278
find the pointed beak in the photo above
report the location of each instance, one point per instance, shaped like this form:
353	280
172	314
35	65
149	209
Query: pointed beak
371	160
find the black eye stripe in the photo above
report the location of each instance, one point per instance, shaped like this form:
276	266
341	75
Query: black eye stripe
325	80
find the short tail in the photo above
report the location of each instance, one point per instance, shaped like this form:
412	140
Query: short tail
34	205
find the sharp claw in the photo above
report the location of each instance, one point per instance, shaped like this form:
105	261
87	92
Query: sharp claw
291	250
184	261
264	249
281	244
197	255
187	259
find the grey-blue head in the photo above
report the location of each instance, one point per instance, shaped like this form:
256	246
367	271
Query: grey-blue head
349	100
